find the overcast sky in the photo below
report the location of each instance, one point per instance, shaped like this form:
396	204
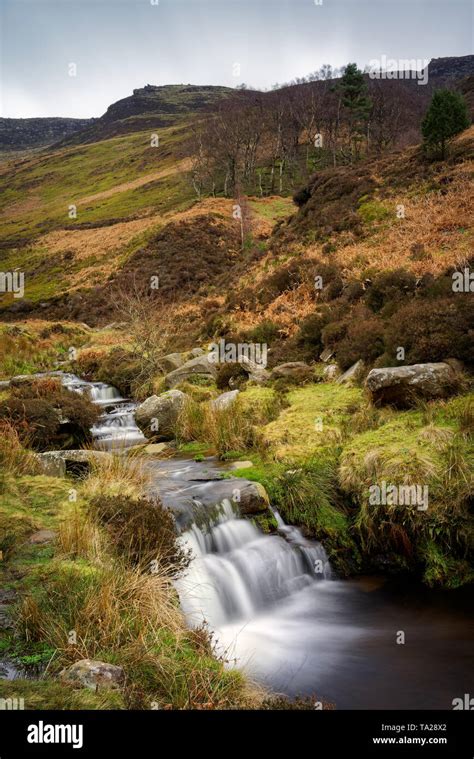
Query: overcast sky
119	45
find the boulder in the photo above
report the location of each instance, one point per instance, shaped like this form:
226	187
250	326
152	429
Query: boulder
171	362
4	384
296	370
225	400
256	372
157	416
241	465
74	462
199	366
352	373
402	386
331	372
197	352
96	675
253	498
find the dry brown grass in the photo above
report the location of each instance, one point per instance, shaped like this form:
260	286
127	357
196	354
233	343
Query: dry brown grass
14	458
119	474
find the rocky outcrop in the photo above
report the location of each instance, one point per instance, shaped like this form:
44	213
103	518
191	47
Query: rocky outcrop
96	675
225	400
402	386
295	370
74	462
157	416
196	367
24	134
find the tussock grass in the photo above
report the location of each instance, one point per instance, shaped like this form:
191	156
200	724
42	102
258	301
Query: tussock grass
224	429
15	459
117	474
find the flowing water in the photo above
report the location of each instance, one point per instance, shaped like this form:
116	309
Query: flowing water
277	611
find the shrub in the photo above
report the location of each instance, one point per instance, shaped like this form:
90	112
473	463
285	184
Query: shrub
390	287
122	369
230	375
433	330
141	531
310	333
265	332
47	415
88	362
364	339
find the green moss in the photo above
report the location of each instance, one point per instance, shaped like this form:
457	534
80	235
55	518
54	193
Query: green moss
373	210
313	419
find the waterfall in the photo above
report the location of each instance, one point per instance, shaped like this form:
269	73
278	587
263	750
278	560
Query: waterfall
237	571
116	426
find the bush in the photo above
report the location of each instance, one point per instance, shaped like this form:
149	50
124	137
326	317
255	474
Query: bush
265	332
141	531
364	339
230	372
122	369
390	287
434	330
48	416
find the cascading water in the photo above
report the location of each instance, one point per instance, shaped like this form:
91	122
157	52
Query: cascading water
237	571
273	607
116	426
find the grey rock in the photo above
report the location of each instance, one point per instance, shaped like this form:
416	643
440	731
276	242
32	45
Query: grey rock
293	369
199	366
171	362
197	352
225	400
42	536
331	371
326	354
96	675
352	373
157	416
74	462
402	386
256	372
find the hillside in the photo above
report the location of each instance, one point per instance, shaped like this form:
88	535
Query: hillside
27	134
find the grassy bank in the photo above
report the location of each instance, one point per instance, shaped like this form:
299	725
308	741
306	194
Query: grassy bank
80	591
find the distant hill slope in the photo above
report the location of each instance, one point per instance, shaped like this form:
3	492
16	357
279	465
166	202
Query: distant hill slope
25	134
150	107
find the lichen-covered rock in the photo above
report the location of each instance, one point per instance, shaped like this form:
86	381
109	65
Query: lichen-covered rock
402	386
171	362
225	400
352	374
199	366
96	675
296	370
331	372
157	416
75	462
253	498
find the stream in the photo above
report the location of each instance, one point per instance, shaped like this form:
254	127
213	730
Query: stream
275	607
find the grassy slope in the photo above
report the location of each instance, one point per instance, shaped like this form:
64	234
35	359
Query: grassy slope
120	616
